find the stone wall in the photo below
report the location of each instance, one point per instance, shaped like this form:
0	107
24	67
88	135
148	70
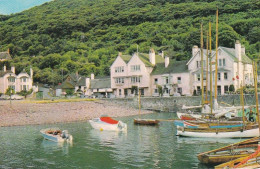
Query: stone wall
175	103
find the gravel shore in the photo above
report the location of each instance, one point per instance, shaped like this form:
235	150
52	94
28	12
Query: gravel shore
26	113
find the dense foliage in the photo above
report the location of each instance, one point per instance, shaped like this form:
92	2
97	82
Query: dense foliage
65	36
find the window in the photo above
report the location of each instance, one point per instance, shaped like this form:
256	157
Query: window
179	90
119	69
119	80
220	62
198	90
11	79
225	89
166	90
219	76
12	86
198	77
225	76
198	64
155	81
135	68
119	92
125	92
155	90
24	87
24	79
167	80
135	79
142	92
224	62
178	80
219	90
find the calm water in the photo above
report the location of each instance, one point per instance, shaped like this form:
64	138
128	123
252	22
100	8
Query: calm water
140	147
13	6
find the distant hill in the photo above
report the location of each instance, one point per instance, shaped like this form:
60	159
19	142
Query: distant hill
63	36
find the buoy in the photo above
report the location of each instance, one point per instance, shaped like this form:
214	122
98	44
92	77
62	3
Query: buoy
101	129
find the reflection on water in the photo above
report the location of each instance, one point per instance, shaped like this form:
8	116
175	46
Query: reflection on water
140	147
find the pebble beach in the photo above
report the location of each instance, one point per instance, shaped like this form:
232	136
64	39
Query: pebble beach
22	112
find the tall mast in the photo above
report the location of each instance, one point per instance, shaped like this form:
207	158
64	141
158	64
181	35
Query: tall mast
201	64
256	94
210	57
207	67
216	62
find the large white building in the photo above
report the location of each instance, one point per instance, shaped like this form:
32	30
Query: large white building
148	72
22	81
234	68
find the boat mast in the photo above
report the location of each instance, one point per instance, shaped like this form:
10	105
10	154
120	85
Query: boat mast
201	64
207	67
216	62
256	94
210	52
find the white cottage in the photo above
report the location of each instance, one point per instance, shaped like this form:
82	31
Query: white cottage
234	68
128	73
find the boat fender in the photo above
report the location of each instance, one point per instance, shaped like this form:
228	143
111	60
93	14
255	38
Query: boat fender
101	129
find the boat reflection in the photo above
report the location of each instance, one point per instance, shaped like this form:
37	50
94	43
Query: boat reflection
50	146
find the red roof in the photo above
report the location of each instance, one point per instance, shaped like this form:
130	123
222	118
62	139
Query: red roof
108	120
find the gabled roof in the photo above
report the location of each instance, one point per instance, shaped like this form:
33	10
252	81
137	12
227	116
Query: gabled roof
173	67
232	53
198	52
67	85
126	58
2	73
5	56
102	83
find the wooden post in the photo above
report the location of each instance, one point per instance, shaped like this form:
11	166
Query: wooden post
216	64
201	63
210	61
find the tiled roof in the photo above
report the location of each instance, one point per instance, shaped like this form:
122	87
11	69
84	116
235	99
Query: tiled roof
173	67
100	83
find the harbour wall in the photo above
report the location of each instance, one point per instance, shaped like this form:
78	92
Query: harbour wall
172	104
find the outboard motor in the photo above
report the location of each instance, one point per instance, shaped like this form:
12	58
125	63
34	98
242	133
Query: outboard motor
65	134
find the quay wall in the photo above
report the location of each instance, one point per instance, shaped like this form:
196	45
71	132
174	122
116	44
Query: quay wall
175	103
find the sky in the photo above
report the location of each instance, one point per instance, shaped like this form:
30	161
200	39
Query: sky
14	6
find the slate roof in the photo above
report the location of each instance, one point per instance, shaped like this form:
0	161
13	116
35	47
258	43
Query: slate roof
5	55
76	80
173	67
2	73
144	57
231	52
101	83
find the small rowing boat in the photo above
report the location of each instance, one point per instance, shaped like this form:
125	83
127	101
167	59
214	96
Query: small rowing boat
146	122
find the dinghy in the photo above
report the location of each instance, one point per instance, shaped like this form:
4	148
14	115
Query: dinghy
107	123
151	122
56	135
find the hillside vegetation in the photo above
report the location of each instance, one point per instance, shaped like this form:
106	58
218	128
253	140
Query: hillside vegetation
65	36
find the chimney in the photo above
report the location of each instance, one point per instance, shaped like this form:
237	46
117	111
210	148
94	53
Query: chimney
243	50
92	76
152	56
8	51
238	50
195	49
167	61
31	72
4	68
119	53
162	54
77	75
13	69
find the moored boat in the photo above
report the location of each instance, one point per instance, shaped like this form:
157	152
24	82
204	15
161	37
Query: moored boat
230	152
107	123
56	135
146	122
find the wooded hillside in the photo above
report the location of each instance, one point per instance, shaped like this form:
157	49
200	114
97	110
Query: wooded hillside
63	36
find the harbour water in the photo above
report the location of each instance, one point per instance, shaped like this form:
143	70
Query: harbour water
140	147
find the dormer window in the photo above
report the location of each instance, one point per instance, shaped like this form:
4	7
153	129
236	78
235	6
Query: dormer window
11	79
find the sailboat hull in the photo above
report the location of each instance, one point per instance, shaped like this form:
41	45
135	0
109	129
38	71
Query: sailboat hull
219	134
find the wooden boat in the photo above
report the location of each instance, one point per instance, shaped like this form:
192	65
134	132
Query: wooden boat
107	123
230	152
250	161
207	124
56	135
146	122
246	131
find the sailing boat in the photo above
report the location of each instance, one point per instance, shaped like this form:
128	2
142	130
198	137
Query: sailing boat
246	130
139	121
237	150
